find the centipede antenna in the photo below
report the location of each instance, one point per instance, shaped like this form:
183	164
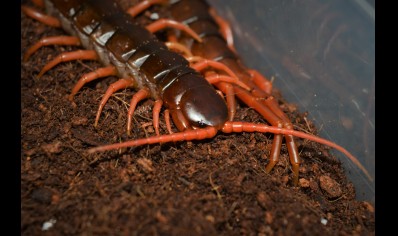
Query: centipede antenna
230	127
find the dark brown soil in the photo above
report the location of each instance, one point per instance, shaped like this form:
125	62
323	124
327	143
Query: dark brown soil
210	187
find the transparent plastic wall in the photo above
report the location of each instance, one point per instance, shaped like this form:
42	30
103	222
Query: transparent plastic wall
322	57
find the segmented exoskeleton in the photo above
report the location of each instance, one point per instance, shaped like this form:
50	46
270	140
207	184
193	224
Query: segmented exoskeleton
142	61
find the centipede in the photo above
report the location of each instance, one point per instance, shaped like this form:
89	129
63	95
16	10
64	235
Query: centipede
200	104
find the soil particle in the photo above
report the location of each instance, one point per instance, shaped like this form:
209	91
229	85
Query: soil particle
330	186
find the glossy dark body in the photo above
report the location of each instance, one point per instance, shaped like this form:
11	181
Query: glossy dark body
104	27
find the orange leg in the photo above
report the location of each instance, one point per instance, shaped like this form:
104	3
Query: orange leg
39	16
69	56
161	23
277	121
120	84
273	105
164	23
140	95
225	29
167	120
267	114
293	154
203	64
261	100
99	73
56	40
179	48
275	152
215	78
263	89
261	82
263	96
156	112
229	92
142	6
171	37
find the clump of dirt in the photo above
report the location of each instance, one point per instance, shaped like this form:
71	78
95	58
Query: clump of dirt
211	187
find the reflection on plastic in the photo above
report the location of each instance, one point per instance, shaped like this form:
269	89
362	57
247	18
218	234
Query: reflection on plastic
322	55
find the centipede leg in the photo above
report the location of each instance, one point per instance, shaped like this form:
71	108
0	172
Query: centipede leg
176	46
39	16
273	106
120	84
205	63
261	82
143	5
156	112
260	92
215	78
228	90
164	23
55	40
271	103
69	56
290	143
275	152
268	114
225	29
276	121
161	23
99	73
167	120
293	154
140	95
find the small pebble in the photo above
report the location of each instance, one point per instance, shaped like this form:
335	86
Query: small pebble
330	186
304	183
48	224
55	147
369	206
146	164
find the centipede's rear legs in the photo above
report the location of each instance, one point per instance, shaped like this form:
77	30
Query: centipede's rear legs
267	113
261	100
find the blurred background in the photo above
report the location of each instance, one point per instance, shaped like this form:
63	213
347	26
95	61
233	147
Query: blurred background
322	57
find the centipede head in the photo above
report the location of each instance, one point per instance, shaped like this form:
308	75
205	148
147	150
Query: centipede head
195	104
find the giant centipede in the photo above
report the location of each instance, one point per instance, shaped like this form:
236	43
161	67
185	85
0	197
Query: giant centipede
143	62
